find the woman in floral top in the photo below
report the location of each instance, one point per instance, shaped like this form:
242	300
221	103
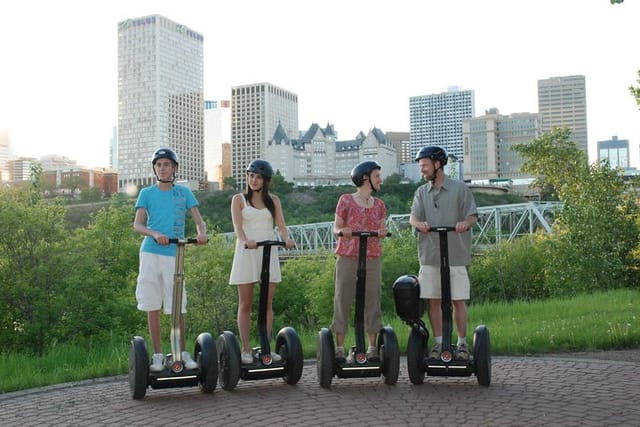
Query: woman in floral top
359	211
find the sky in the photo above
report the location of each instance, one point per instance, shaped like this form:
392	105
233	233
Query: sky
352	63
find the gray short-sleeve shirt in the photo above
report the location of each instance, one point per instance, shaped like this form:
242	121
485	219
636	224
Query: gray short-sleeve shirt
451	203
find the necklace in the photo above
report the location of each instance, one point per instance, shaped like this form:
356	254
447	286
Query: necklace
366	200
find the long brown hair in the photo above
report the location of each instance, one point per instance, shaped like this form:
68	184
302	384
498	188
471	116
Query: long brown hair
266	196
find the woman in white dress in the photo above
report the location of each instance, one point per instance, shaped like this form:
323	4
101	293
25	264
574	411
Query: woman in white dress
254	213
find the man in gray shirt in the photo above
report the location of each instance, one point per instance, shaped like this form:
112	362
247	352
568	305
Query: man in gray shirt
443	201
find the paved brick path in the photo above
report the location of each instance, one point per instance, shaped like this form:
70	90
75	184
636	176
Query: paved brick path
524	392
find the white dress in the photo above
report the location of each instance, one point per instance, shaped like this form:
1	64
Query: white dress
247	263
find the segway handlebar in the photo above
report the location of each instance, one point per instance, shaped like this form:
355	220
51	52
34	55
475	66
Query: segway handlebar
365	234
269	243
183	241
442	228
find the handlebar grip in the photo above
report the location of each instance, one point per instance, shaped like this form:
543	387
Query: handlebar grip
269	243
365	234
183	241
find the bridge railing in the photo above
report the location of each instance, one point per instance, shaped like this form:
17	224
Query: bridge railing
495	224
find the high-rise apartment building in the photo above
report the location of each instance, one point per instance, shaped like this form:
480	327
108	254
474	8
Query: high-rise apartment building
562	102
256	111
616	150
160	99
487	144
401	142
437	119
217	131
5	151
20	168
113	149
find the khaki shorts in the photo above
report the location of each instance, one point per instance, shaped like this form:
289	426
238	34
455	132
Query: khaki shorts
155	283
430	282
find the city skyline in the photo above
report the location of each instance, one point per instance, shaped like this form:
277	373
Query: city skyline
59	94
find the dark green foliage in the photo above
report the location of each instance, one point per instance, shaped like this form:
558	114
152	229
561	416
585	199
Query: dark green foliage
301	299
597	227
511	271
399	257
211	302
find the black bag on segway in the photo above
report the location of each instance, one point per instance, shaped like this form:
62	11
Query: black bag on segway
406	293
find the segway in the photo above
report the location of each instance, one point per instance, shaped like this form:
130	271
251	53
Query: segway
410	308
288	344
174	374
357	365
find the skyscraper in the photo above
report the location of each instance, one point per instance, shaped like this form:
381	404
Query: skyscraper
437	120
562	102
217	124
256	111
616	150
5	151
160	99
488	140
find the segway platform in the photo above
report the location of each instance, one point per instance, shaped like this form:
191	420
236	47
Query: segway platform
410	308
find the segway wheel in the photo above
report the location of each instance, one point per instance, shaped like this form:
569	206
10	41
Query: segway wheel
325	356
415	356
389	354
229	360
138	368
205	351
482	355
289	347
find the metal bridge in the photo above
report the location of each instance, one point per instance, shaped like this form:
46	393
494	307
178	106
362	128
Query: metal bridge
495	224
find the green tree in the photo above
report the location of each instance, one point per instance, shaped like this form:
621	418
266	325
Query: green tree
229	183
100	288
635	91
279	185
596	228
93	194
32	268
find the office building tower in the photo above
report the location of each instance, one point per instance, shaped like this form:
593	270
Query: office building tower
562	102
437	120
5	152
402	144
487	144
160	99
113	149
256	111
616	150
20	168
217	131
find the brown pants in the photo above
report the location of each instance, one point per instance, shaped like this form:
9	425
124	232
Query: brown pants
346	279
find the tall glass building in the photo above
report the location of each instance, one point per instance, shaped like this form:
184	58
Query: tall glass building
256	111
160	99
616	151
562	102
437	120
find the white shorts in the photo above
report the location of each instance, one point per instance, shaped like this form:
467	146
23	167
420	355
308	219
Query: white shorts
155	283
430	282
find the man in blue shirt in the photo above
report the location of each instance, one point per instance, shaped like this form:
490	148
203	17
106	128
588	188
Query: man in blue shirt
160	215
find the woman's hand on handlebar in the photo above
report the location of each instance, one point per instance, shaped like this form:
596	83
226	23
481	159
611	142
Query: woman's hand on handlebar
202	239
289	243
346	231
250	244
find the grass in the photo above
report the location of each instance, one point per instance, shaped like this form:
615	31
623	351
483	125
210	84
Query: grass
606	320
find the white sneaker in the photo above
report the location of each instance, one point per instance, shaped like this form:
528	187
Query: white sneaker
276	357
189	363
157	364
246	358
